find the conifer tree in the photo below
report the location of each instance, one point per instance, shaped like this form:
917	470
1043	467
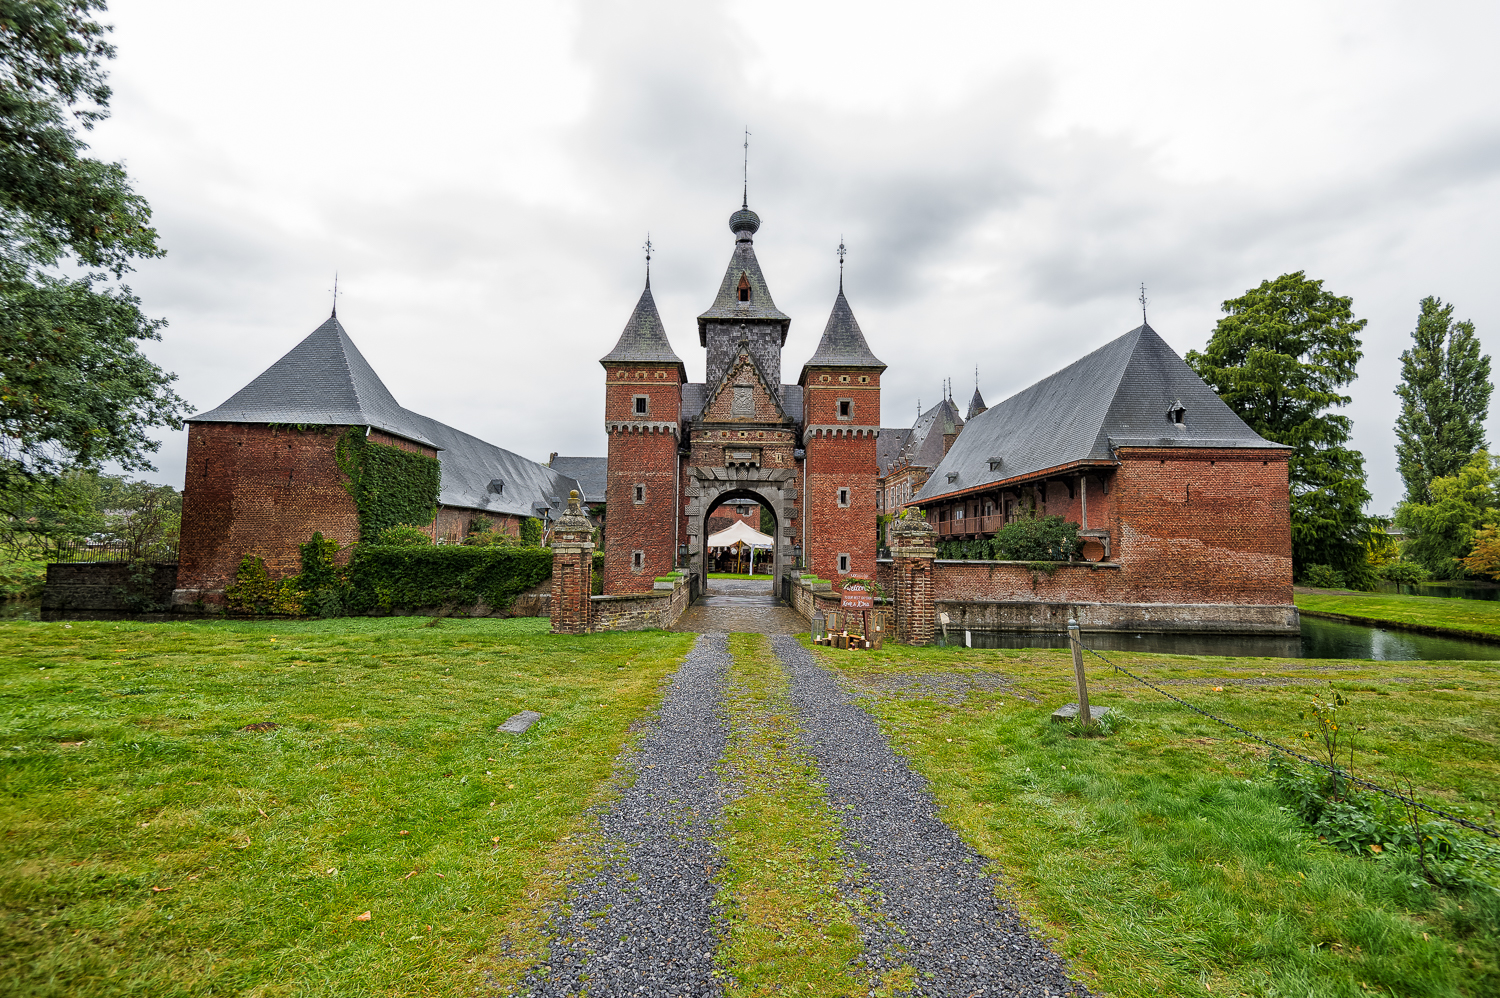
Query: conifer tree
1445	396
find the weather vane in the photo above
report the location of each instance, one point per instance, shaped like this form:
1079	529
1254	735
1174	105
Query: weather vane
1143	303
842	253
648	248
745	201
335	294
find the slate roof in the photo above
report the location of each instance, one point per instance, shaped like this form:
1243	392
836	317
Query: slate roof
923	446
842	345
727	306
888	445
325	379
644	339
1120	395
695	395
592	473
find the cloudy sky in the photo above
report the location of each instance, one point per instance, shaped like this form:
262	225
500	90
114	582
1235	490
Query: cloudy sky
1005	175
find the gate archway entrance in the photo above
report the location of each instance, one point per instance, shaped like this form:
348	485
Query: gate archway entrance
772	489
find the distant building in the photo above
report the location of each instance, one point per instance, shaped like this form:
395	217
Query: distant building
914	452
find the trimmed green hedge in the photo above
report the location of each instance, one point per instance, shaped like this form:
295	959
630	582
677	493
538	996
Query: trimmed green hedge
410	578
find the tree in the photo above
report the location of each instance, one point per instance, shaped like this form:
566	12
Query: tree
75	391
1441	532
1445	397
1278	359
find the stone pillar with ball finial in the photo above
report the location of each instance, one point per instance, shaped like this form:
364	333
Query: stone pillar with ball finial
572	570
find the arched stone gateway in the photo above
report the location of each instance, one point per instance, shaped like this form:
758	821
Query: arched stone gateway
773	488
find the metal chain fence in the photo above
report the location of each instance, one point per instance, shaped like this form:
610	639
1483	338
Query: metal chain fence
1493	833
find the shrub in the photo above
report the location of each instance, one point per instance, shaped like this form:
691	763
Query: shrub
1323	577
1035	539
490	539
22	579
531	532
1405	572
253	590
409	578
404	535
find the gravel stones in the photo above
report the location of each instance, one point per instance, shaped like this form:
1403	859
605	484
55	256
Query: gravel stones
644	923
941	911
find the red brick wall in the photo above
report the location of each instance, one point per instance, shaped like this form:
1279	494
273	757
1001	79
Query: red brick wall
251	489
640	455
452	524
840	455
1187	526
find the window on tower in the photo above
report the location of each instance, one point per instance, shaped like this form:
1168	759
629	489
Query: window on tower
846	408
744	287
641	403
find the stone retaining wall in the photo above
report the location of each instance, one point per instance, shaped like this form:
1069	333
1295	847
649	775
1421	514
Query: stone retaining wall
97	590
638	612
1211	618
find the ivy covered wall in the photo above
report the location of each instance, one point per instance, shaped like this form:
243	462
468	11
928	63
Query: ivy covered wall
390	486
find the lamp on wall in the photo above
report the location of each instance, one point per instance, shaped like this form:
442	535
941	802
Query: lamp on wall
797	554
682	555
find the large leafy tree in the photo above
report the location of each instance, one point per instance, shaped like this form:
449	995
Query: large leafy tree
1443	530
1279	358
75	390
1445	396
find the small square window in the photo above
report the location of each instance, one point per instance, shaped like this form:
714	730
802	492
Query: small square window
843	497
641	402
846	408
843	564
640	493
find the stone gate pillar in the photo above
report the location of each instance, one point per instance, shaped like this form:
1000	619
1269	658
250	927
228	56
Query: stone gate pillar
572	571
913	549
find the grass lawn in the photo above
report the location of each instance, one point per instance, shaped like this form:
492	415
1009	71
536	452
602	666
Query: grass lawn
1160	857
1472	615
154	846
740	575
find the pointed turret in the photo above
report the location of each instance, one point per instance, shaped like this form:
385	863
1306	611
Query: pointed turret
976	404
644	339
842	345
743	309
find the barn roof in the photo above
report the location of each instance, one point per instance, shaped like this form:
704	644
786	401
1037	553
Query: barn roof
326	380
591	473
1121	395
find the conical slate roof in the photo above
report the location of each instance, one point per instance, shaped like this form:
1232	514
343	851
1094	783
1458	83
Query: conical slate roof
923	444
1121	395
976	404
842	345
324	380
644	339
743	264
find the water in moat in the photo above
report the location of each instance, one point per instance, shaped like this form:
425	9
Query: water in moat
1319	639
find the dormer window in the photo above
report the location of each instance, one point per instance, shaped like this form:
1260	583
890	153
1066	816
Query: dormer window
744	287
1177	413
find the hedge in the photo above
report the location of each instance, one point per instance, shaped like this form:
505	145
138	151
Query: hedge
410	578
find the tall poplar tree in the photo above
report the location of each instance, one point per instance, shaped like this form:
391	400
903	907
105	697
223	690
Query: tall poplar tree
1445	397
1278	359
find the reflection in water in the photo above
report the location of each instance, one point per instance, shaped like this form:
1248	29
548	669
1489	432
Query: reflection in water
1319	639
1445	590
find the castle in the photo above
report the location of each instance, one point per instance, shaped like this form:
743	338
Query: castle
679	450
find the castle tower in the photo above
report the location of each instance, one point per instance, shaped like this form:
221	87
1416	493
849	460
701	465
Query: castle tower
841	419
643	381
743	311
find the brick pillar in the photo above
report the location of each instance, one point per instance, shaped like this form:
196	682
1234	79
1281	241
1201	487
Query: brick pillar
572	571
913	548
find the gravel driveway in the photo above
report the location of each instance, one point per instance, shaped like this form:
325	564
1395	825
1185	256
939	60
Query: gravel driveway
646	924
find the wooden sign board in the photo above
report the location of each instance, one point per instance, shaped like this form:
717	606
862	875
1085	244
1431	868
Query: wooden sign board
857	594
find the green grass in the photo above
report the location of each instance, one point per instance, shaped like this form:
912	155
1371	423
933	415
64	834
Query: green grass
152	846
739	575
792	927
1468	615
1160	857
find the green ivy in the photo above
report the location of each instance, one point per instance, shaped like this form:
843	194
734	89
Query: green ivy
410	578
531	532
390	486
